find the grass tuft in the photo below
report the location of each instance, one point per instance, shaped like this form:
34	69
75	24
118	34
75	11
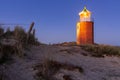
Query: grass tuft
102	50
49	68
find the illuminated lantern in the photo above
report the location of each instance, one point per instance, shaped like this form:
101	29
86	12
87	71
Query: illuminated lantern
85	28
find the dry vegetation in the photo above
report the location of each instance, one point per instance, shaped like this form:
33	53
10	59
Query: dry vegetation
49	68
14	42
66	44
102	50
95	50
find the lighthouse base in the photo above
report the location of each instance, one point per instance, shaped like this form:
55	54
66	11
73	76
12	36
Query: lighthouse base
85	32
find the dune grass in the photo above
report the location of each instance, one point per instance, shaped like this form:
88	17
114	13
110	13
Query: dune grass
101	50
48	68
14	42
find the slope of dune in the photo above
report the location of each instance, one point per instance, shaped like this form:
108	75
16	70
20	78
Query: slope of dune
69	63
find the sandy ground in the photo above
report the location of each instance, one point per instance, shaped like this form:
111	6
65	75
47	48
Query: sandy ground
107	68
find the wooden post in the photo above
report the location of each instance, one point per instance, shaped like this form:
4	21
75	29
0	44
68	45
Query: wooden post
29	31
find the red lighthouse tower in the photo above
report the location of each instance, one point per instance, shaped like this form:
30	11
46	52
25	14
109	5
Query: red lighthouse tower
85	28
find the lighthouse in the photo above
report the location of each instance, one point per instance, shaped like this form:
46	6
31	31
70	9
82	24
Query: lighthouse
85	28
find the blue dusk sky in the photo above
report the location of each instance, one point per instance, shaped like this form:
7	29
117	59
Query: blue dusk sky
55	20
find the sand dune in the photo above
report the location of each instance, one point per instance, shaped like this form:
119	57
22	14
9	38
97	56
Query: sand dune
107	68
